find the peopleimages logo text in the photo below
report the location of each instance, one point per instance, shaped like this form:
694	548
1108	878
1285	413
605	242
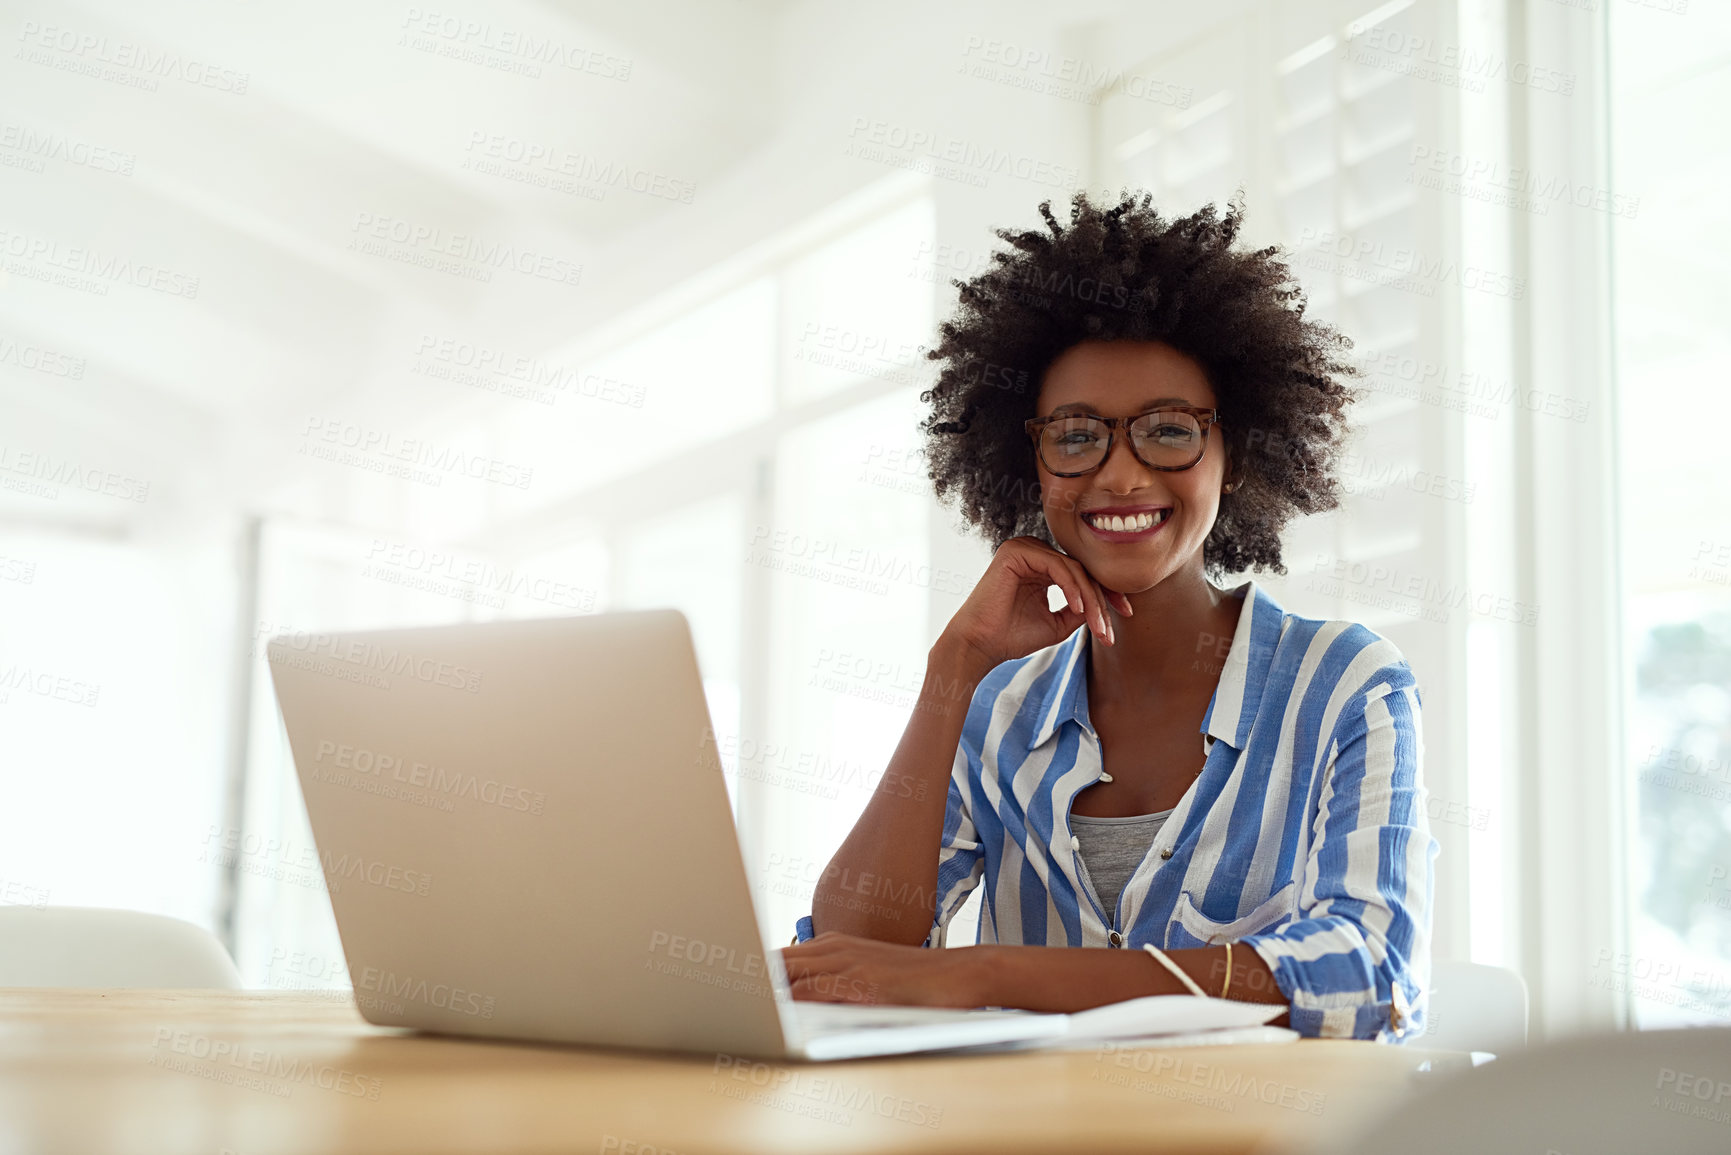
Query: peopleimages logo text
437	242
151	64
866	133
368	655
441	995
857	560
339	868
413	451
41	146
85	260
65	471
439	779
521	44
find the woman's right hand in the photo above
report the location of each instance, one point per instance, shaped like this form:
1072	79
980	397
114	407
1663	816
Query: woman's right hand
1007	615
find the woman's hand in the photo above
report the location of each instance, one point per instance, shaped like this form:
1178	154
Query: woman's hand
1007	615
842	968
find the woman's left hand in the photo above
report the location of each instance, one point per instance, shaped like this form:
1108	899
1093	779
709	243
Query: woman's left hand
843	968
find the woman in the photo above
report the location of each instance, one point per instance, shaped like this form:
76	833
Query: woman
1159	762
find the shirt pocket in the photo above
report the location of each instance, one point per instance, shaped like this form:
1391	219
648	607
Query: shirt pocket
1190	927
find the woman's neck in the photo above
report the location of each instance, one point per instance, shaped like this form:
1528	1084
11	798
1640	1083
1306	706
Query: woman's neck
1177	639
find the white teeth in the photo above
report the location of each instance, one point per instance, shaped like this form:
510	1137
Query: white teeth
1135	523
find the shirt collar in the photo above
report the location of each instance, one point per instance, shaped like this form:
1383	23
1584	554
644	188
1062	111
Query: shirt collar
1066	697
1239	694
1236	698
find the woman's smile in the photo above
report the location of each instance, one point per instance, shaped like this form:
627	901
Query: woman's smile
1127	523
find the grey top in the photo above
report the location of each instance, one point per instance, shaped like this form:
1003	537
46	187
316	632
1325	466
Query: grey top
1110	850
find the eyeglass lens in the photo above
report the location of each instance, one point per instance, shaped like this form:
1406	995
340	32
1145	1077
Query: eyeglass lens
1164	438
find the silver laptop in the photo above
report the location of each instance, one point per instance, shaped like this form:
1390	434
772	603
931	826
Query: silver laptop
526	834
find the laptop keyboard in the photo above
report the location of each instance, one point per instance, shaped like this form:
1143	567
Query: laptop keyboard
832	1018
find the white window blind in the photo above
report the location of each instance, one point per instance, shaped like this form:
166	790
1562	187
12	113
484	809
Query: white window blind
1314	112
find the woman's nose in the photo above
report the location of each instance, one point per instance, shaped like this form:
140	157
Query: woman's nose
1122	470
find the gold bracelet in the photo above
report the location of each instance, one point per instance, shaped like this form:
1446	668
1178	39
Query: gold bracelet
1224	987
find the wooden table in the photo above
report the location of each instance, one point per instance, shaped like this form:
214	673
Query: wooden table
250	1073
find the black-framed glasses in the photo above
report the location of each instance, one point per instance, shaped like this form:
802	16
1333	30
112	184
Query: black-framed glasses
1169	438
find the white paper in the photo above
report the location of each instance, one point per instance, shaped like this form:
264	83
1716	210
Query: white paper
1158	1015
1226	1037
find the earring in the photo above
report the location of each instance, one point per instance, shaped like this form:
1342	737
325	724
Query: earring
1229	487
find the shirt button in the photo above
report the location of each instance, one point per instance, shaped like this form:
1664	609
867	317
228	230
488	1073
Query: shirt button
1167	853
1105	777
1075	843
1115	939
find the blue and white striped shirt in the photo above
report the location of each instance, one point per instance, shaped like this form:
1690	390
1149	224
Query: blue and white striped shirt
1304	837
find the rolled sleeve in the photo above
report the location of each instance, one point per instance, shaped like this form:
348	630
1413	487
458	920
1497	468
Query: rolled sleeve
960	861
1356	962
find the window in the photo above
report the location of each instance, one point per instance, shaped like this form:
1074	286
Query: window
1672	243
751	460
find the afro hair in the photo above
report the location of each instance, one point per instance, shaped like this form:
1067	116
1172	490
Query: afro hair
1125	273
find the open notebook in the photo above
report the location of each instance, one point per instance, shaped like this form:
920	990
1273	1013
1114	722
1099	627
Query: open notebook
1154	1021
1171	1021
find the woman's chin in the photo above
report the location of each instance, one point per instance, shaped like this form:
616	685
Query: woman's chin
1128	580
1114	569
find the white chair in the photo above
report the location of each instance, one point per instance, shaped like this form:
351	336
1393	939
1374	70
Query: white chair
1475	1008
75	946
